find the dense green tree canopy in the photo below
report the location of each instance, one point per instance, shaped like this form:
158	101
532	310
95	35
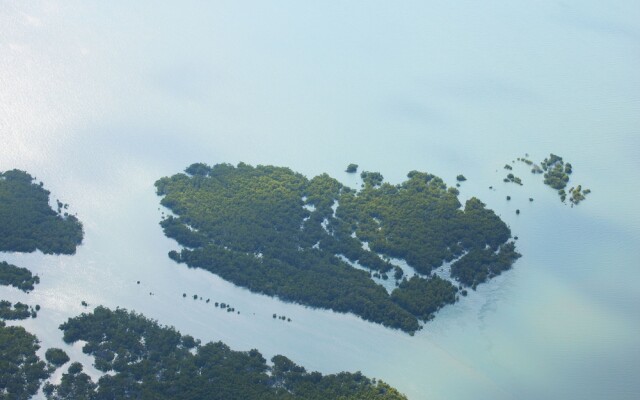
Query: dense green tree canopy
18	277
276	232
17	311
74	385
555	174
28	223
56	356
147	361
21	371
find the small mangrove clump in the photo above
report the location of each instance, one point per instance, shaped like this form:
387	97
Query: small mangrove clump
512	178
578	194
556	175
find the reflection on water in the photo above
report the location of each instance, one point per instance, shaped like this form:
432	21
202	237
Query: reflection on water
99	101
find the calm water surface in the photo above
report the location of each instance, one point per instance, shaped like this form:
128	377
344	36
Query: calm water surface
99	101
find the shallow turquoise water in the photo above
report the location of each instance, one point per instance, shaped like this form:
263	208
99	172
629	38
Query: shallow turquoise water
99	101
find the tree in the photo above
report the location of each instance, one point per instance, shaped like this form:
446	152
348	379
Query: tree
56	356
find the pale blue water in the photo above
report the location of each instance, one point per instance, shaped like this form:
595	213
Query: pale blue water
100	99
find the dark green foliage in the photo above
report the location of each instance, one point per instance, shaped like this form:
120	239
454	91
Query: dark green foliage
371	178
512	178
525	160
148	361
479	265
293	381
21	371
577	194
551	161
16	276
275	232
352	168
75	385
420	221
555	175
398	272
56	356
307	277
28	223
423	297
75	368
507	166
568	169
461	178
198	169
556	178
18	311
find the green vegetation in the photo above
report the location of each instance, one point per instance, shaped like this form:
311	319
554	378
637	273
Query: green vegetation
56	357
352	168
75	384
562	194
507	166
556	174
27	221
512	178
17	311
480	265
423	297
535	168
148	361
372	178
17	277
27	224
275	232
578	194
21	371
525	160
461	178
